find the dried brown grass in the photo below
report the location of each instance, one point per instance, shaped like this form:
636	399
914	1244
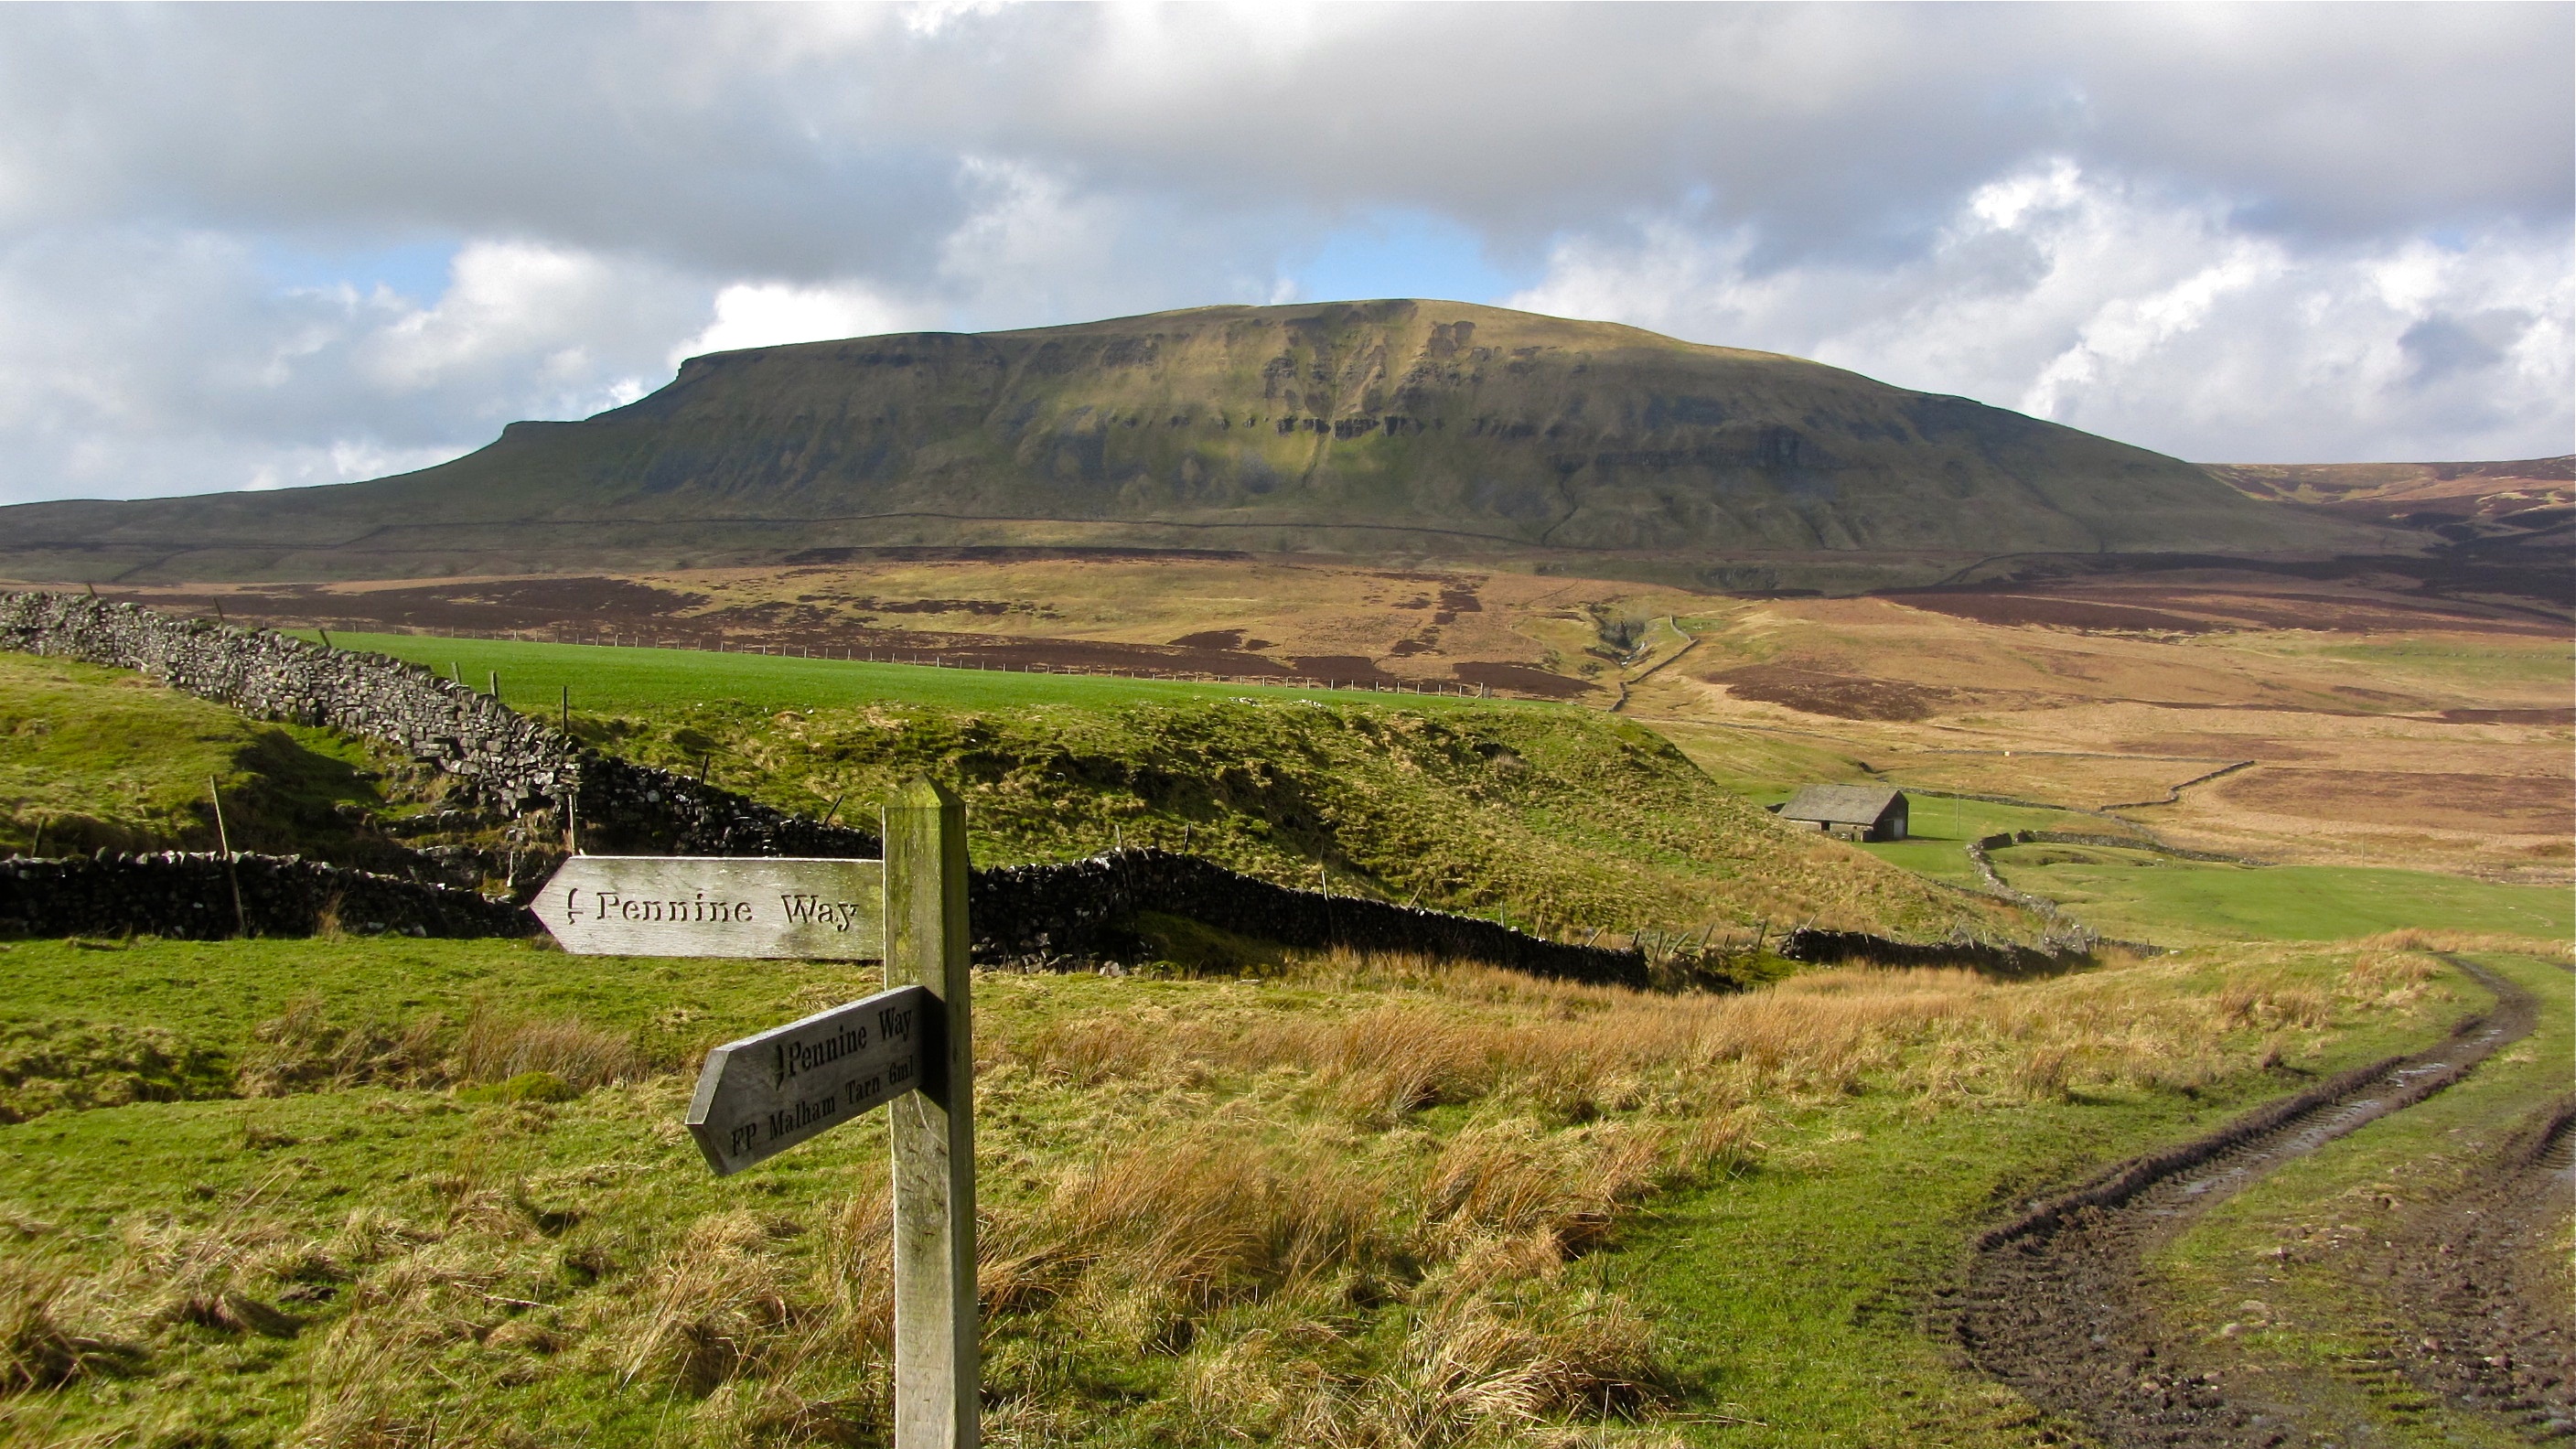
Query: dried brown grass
306	1050
495	1049
43	1343
1570	1054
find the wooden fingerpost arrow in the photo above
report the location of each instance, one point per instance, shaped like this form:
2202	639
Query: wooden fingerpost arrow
909	1048
936	1371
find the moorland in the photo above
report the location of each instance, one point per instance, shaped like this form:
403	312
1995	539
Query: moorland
2261	773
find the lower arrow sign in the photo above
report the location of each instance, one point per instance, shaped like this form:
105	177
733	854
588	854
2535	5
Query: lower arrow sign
765	1093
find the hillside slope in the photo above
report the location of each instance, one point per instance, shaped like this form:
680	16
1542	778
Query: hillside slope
1563	820
1394	426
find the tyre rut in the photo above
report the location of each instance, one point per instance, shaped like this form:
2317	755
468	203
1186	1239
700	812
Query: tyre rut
2057	1301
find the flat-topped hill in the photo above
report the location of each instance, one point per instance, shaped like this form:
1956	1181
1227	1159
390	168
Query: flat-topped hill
1372	427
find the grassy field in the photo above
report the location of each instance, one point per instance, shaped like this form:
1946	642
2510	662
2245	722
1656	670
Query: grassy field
2282	1271
2139	895
93	757
1365	1204
2380	731
618	680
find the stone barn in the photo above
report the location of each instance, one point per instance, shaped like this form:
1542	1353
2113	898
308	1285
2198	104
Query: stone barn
1850	812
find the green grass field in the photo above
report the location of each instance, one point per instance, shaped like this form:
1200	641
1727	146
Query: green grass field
1363	1204
616	679
1941	828
2142	896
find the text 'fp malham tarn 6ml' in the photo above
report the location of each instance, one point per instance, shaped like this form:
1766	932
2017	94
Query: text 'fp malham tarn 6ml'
910	1048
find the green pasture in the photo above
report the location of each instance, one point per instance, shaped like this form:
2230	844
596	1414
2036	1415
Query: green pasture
1942	827
609	679
2451	663
2140	895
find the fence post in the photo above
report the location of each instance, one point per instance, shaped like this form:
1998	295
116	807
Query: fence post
232	872
936	1370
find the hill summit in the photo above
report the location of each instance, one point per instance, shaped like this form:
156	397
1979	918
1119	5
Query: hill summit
1361	427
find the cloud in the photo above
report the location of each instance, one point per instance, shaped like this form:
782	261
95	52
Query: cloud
137	362
767	314
2289	231
2125	310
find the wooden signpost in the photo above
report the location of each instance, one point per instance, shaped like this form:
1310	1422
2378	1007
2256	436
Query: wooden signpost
909	1048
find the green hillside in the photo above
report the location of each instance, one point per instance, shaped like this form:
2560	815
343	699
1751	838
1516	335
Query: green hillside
1554	817
1429	427
94	758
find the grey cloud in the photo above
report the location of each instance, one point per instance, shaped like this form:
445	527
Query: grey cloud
806	143
2443	345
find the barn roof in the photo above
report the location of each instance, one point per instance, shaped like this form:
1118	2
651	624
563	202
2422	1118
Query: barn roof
1841	804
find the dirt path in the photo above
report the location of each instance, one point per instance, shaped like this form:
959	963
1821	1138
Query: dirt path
2057	1302
2485	1310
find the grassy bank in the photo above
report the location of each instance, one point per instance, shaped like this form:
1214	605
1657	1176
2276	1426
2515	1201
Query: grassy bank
1366	1203
96	758
1561	819
1554	818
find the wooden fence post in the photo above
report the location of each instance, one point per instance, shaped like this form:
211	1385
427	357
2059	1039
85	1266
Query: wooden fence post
936	1368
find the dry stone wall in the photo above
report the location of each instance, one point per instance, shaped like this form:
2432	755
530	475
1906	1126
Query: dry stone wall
502	759
1034	912
1813	947
190	896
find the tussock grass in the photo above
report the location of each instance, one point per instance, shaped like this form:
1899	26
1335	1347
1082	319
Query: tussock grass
307	1049
40	1346
52	1065
1370	1201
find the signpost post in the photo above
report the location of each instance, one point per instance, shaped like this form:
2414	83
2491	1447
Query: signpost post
909	1048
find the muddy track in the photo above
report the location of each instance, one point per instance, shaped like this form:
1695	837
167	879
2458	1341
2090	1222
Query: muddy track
2484	1308
2057	1301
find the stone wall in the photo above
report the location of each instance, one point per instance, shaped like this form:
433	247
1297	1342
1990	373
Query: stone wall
1826	948
190	896
500	758
1037	911
2128	842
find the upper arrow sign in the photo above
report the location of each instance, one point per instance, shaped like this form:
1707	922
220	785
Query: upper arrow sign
682	905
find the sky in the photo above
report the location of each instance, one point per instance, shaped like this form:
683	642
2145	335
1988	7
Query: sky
267	246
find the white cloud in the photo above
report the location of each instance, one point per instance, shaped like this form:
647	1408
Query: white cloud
2158	320
136	363
767	314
